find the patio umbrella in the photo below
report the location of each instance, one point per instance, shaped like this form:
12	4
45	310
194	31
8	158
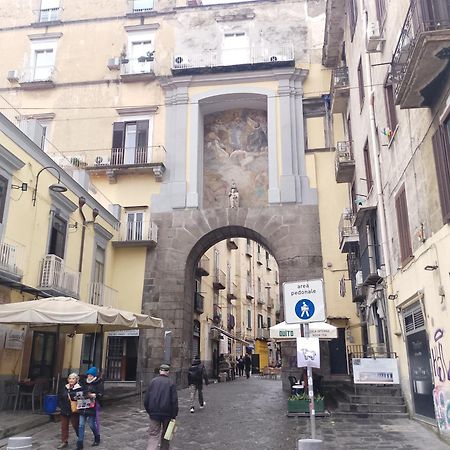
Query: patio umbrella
322	330
69	314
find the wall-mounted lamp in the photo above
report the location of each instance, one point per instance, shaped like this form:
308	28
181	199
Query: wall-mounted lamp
392	296
57	187
23	187
430	267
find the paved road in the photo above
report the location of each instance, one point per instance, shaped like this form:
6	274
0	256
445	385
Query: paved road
247	415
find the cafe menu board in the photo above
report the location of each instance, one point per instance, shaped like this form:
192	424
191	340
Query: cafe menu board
375	371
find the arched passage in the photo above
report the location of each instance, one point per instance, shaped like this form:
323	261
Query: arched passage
290	232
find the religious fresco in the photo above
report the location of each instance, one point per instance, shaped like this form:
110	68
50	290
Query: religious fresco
235	150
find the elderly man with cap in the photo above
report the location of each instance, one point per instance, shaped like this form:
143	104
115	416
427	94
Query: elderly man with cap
161	404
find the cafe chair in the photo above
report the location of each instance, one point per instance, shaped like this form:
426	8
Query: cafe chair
36	393
11	391
296	387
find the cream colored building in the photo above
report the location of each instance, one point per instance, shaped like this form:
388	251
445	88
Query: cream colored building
391	85
135	99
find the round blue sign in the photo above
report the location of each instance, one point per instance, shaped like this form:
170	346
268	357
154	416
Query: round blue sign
304	309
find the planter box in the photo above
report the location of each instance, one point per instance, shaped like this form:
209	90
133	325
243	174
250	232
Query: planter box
302	406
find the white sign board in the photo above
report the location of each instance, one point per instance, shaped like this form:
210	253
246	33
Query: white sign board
375	371
124	333
14	339
308	352
304	301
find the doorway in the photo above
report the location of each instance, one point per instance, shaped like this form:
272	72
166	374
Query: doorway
419	361
42	361
235	49
122	358
338	354
91	354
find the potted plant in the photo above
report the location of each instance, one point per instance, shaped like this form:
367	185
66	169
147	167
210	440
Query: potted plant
300	403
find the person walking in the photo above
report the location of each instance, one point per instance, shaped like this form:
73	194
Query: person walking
248	365
92	390
196	375
67	395
240	364
161	404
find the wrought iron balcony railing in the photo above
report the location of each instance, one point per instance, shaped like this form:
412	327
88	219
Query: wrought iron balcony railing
38	74
340	78
102	295
203	267
55	276
11	258
138	231
199	303
344	162
348	232
219	281
49	14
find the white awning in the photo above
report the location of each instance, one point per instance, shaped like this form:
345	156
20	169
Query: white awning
322	330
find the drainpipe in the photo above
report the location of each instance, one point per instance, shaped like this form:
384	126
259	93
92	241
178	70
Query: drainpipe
81	203
375	150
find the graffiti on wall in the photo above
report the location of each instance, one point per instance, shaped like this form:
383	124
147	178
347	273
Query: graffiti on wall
441	365
441	398
235	150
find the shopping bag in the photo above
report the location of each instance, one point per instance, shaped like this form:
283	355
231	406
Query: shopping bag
168	435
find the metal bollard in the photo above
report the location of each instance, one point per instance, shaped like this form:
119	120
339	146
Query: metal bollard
22	443
310	444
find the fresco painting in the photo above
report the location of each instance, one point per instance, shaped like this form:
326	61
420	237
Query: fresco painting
235	150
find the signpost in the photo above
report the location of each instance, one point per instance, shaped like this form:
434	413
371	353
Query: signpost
304	303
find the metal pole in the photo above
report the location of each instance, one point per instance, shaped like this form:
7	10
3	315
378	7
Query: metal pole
312	411
141	383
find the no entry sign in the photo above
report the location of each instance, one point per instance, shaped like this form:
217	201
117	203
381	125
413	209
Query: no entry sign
304	301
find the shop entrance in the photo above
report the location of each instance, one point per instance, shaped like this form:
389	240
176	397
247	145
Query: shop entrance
42	362
122	358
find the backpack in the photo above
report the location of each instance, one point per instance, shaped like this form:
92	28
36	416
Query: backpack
195	374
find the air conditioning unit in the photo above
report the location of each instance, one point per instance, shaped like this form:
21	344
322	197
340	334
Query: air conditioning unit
113	63
180	61
374	37
13	76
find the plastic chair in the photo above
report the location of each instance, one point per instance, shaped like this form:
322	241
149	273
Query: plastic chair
11	391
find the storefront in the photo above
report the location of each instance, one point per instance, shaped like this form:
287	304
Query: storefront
122	355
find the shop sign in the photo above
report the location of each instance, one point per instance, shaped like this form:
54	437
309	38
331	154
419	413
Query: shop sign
124	333
375	371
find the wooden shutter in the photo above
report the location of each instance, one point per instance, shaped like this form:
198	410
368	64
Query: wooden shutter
3	190
403	226
368	167
391	112
118	140
441	147
141	141
361	84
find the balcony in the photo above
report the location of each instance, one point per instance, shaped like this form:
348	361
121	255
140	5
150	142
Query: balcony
259	258
219	281
232	244
102	295
270	302
231	291
249	293
120	161
138	69
224	60
56	279
248	249
420	61
141	7
269	264
49	15
136	234
231	321
11	261
198	303
348	232
344	162
202	269
217	314
340	89
262	333
42	77
260	300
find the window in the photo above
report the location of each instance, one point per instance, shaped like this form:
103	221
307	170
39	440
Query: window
368	167
57	237
99	268
43	64
142	5
135	226
381	11
3	191
269	322
249	319
401	207
140	52
391	112
260	321
361	84
49	11
235	48
352	16
441	148
130	143
249	281
259	289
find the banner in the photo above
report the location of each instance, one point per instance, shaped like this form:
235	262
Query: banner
308	352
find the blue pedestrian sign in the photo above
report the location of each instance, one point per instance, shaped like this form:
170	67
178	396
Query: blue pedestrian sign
304	301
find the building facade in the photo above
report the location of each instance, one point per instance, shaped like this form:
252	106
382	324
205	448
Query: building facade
391	85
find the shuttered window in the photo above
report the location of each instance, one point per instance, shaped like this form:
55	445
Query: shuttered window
368	167
130	142
352	15
361	84
391	112
404	235
441	147
413	319
3	190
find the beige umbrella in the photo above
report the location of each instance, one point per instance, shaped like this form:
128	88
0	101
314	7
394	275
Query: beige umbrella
69	315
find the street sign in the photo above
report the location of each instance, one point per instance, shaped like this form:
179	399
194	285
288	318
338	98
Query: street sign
308	352
304	301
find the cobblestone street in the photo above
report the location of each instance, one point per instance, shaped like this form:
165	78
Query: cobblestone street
246	415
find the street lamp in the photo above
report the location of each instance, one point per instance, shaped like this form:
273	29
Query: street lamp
57	187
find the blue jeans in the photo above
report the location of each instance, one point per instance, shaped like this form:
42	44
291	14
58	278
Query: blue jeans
92	424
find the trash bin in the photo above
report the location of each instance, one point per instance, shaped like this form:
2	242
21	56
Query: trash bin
16	443
50	403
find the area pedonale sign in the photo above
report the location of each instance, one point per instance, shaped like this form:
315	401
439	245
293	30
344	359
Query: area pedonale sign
304	301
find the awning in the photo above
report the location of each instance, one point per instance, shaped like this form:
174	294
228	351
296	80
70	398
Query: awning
71	315
228	334
322	330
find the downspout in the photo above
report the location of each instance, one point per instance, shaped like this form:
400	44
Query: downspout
81	203
375	150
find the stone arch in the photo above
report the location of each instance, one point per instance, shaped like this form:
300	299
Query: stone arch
290	232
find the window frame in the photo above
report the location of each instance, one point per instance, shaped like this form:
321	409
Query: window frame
368	167
352	17
4	184
55	232
361	89
404	234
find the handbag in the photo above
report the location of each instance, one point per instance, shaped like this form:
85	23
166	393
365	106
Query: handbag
73	405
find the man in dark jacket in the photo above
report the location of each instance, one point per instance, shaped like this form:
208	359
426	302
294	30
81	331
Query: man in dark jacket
248	365
196	375
161	404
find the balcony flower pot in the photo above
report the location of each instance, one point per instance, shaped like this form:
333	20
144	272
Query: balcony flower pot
300	404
